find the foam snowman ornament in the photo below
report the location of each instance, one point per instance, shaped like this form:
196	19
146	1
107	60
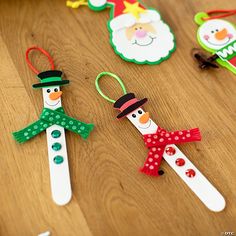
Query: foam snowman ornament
218	37
137	34
54	121
161	144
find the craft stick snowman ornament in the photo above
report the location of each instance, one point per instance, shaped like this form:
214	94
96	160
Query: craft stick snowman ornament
137	34
54	120
218	37
161	144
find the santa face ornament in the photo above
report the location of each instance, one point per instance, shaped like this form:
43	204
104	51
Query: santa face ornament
144	39
137	34
218	37
161	145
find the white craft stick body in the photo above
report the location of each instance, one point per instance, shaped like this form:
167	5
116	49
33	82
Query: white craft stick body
205	191
59	173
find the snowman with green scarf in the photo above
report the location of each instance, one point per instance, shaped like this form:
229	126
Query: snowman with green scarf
54	121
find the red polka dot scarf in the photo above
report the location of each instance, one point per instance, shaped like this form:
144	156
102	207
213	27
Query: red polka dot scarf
157	142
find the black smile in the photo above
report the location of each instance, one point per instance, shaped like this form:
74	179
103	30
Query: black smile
218	44
143	45
52	105
147	126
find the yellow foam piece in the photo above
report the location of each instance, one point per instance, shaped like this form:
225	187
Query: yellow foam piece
76	4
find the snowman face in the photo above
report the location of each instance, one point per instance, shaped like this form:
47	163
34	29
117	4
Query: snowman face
141	120
52	97
216	34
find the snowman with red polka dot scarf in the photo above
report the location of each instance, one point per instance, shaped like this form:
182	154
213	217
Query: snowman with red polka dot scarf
156	139
161	144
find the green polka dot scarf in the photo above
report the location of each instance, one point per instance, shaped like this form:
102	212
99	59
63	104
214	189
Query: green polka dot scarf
53	117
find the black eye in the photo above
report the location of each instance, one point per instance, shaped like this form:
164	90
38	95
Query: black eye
140	112
212	31
55	90
135	28
133	115
48	90
140	27
217	30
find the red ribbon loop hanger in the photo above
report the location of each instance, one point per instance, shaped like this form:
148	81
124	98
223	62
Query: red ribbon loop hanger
42	51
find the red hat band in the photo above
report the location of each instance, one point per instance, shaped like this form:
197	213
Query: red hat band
128	104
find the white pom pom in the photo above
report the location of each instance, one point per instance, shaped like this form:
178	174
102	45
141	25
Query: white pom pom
97	3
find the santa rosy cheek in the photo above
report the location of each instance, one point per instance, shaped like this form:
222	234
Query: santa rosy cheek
230	36
206	37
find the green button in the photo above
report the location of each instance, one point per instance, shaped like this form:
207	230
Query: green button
58	159
56	146
56	133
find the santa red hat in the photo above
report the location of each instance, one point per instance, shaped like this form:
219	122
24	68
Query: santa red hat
126	13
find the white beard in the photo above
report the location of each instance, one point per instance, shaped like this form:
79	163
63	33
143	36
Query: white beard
154	47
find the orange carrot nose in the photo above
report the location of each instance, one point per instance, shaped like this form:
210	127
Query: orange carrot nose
144	118
221	34
55	95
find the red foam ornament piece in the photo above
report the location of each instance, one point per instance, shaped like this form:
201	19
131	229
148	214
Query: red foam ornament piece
120	6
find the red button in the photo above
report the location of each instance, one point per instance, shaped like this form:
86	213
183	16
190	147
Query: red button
190	173
180	162
170	151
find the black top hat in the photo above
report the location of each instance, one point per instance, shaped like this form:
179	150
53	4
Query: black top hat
50	78
128	103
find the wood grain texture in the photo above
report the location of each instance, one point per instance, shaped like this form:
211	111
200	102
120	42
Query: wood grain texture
110	196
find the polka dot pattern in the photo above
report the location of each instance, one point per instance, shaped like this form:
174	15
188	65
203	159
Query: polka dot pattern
67	122
157	142
49	118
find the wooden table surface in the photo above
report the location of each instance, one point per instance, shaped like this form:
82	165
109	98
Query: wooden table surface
110	196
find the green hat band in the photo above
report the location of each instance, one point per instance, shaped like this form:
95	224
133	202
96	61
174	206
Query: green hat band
50	79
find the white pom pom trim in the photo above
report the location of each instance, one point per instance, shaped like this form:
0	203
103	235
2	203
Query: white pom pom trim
127	20
97	3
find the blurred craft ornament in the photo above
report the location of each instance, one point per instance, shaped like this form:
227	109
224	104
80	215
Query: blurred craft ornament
217	37
137	34
161	145
54	120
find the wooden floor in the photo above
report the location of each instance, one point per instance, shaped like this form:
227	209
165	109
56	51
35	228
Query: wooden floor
110	196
